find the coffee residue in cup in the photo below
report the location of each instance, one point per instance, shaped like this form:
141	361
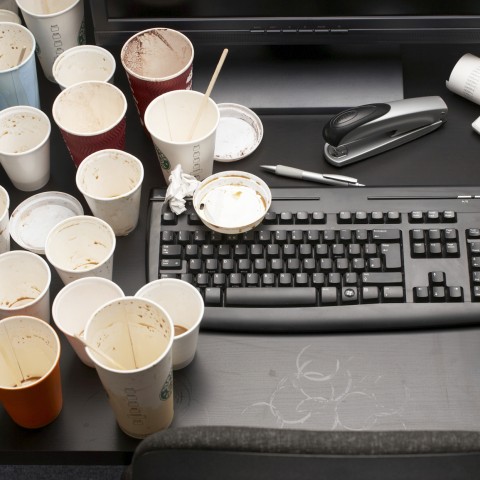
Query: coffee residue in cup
179	329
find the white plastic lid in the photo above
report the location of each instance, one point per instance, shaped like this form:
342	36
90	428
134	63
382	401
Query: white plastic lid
239	132
32	220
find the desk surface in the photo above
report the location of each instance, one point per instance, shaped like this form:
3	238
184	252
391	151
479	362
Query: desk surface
421	380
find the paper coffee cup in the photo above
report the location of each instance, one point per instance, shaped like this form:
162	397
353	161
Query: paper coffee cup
4	221
138	335
74	305
18	71
30	384
83	63
81	246
9	16
178	138
183	302
57	26
111	182
91	117
156	61
24	285
25	146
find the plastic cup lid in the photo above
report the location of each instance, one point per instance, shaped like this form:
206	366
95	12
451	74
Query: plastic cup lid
32	220
239	132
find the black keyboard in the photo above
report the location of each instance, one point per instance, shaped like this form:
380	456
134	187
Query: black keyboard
331	259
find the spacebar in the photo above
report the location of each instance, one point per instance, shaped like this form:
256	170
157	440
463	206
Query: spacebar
270	297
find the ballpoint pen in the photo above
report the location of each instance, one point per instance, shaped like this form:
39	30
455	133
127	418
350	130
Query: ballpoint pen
327	178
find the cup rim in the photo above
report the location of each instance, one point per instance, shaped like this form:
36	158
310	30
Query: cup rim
156	79
158	359
66	289
54	363
154	283
89	134
91	158
7	202
46	15
156	100
12	13
38	298
22	108
79	218
79	48
26	58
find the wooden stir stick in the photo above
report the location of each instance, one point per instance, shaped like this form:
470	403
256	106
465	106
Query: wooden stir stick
101	353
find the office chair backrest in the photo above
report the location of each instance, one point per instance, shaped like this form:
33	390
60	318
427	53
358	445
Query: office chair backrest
231	453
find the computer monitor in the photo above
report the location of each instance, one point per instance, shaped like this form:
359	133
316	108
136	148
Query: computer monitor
311	54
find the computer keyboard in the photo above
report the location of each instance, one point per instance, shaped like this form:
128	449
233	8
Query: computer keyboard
331	260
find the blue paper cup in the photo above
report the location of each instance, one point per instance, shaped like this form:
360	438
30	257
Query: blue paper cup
18	72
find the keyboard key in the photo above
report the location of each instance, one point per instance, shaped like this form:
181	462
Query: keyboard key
349	295
392	256
387	235
270	297
392	294
382	278
421	294
213	296
370	294
328	295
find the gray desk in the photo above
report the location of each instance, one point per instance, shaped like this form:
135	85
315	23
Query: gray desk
421	380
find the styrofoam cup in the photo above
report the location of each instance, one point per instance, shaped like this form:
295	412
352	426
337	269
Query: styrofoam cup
137	334
111	182
24	285
81	246
57	26
4	221
183	302
91	117
170	120
74	305
83	63
25	146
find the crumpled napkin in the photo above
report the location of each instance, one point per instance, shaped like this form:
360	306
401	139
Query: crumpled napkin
181	185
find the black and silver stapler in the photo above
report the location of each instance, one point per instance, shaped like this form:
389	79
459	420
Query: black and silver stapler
361	132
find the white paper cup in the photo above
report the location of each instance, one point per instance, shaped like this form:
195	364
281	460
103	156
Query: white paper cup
18	74
24	285
81	246
83	63
137	334
74	305
25	146
111	182
4	221
9	16
91	117
9	5
57	26
185	306
169	120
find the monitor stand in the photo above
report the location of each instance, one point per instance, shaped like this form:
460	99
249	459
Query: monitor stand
301	78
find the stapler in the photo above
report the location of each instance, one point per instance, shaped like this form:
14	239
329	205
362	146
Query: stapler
358	133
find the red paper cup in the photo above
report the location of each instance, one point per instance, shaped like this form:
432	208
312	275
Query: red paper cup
157	61
91	117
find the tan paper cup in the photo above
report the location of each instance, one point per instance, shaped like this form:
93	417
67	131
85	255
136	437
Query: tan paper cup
57	26
74	305
83	63
4	221
91	117
170	120
156	61
137	334
25	146
30	384
185	306
24	285
111	182
81	246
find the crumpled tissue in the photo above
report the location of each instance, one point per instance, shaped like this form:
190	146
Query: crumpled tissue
181	185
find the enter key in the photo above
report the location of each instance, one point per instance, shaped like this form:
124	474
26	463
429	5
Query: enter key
392	256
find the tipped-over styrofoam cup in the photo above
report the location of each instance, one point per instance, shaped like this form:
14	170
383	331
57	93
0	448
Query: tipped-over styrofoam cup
137	335
81	246
183	302
83	63
177	136
111	182
74	305
24	285
25	146
4	221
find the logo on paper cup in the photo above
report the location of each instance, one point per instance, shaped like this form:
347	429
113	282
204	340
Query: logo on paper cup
167	388
164	163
